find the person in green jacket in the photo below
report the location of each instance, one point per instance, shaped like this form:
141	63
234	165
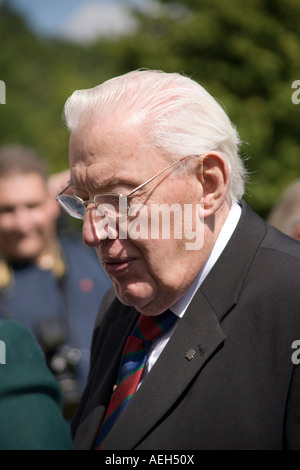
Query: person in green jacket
30	398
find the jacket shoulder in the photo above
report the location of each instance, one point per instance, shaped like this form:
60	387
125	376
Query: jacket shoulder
30	397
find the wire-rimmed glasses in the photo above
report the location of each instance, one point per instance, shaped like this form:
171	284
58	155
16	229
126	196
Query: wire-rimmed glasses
108	204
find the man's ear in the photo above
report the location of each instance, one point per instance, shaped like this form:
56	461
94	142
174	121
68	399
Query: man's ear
214	178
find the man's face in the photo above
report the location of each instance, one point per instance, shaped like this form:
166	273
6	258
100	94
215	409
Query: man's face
27	216
150	274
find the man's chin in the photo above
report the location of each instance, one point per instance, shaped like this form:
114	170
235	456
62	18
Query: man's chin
24	259
24	255
141	299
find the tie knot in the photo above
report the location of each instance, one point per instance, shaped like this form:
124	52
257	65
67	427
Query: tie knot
148	328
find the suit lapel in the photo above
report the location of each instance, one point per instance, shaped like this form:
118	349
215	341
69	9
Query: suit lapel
223	284
197	335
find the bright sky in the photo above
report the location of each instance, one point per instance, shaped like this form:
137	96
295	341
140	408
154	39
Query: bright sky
79	20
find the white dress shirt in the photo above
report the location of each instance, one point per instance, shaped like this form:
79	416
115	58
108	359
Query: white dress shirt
182	304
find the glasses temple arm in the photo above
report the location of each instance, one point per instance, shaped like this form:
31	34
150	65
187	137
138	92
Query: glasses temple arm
62	191
153	177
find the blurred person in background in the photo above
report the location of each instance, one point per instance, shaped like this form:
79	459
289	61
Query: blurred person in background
285	215
50	284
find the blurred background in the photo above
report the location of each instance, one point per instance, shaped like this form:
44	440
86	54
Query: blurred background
245	53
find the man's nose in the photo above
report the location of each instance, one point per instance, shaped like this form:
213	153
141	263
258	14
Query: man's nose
22	220
97	228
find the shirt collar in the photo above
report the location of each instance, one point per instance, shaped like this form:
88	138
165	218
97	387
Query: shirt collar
227	230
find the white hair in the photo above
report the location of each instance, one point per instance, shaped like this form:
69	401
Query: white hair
178	117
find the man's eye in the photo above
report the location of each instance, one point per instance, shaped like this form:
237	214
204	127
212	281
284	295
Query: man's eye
6	210
34	205
112	199
107	199
82	195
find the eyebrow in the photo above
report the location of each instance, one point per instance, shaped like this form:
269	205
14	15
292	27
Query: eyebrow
102	186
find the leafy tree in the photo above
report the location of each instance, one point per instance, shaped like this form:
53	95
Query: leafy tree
246	54
39	75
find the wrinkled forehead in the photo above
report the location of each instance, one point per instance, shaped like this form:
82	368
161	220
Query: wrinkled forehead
112	153
104	140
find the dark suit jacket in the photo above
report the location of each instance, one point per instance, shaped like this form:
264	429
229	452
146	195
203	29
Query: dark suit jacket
30	398
241	389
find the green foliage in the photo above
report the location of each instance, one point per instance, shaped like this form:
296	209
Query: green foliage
245	53
39	75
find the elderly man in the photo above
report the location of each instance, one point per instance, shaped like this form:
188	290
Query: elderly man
157	180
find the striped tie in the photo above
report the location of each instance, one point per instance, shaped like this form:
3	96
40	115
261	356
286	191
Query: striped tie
147	329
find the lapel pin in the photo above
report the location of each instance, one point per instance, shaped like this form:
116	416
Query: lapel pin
190	354
202	349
